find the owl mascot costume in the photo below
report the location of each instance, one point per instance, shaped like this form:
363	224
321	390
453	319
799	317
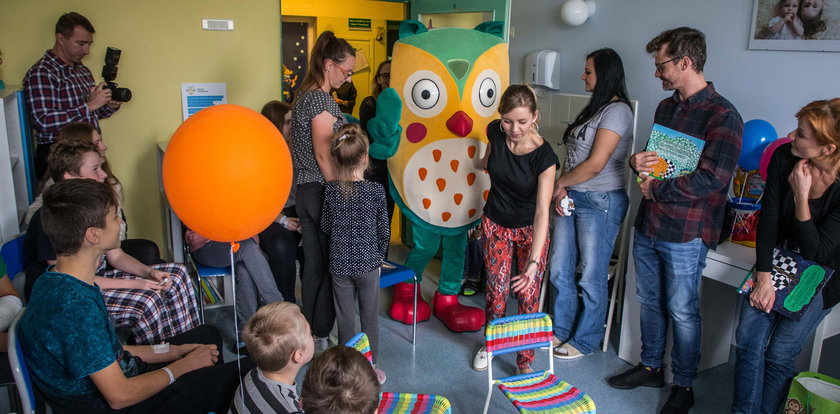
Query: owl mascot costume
431	126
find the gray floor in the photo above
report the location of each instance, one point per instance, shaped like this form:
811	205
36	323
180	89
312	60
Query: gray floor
441	363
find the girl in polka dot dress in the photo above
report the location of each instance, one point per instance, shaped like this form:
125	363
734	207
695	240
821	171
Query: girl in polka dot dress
355	215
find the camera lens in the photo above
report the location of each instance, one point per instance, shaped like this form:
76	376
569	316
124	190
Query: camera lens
121	94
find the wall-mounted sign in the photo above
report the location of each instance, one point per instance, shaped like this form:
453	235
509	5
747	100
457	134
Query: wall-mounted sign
358	24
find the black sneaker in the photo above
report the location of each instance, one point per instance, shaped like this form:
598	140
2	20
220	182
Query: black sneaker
470	288
639	375
679	402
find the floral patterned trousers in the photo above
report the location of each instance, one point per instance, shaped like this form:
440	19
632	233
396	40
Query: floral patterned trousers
500	245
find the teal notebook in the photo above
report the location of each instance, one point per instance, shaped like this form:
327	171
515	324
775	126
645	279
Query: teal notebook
678	153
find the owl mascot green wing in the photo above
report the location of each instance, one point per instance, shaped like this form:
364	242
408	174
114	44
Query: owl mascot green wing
431	126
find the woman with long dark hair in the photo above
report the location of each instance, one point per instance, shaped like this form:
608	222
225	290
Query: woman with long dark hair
597	143
315	116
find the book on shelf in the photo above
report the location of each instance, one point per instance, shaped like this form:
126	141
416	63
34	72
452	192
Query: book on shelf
217	295
796	281
678	153
207	292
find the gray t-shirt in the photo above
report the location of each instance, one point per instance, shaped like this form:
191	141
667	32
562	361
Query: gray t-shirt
616	117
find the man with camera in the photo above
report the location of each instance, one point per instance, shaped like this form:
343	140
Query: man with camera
60	89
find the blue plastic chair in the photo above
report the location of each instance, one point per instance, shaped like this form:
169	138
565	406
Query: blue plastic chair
390	275
12	252
19	371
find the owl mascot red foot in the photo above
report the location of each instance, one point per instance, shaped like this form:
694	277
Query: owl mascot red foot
431	126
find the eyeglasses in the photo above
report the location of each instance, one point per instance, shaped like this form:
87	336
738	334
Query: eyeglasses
347	73
660	65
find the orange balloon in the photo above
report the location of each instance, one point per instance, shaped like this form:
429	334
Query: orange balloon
227	172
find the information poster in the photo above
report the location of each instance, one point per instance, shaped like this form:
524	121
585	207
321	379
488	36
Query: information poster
197	96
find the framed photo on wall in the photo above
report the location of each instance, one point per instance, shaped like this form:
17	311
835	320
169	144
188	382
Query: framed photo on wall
796	25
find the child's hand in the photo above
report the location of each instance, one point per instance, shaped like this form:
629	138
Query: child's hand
200	357
146	284
163	279
181	350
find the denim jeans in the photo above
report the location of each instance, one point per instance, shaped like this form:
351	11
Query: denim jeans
588	236
768	344
667	285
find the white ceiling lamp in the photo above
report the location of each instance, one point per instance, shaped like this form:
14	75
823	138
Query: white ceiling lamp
576	12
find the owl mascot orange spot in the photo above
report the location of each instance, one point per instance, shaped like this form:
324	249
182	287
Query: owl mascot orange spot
431	126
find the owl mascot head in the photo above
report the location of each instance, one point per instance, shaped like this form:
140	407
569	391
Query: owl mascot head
431	126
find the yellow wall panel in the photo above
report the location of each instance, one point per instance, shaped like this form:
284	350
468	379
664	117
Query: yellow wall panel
163	45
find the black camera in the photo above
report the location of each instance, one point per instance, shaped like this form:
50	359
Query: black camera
109	73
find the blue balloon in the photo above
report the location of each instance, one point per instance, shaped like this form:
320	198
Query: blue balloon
758	133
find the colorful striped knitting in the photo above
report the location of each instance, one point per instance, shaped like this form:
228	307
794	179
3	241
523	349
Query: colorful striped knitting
539	392
517	331
545	393
361	343
396	403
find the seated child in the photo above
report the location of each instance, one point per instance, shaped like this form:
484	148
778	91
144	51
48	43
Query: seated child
255	284
279	343
69	343
145	251
155	302
340	380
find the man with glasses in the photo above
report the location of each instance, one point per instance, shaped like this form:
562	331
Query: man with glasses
679	219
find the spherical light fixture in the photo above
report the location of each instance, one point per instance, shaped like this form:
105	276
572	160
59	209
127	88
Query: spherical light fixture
575	12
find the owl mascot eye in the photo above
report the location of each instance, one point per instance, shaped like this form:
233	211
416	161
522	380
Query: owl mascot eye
431	126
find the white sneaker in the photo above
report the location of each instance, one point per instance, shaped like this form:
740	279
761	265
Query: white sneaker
567	351
480	360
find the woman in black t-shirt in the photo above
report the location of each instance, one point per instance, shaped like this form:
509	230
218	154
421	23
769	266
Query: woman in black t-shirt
800	210
521	166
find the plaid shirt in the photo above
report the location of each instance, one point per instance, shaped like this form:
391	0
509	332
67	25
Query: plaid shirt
57	93
692	206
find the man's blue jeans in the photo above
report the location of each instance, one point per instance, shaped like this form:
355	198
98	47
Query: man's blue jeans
768	344
587	235
667	285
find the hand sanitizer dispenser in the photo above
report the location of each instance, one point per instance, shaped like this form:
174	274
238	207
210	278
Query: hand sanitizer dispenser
539	67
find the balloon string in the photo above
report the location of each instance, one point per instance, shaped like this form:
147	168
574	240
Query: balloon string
234	247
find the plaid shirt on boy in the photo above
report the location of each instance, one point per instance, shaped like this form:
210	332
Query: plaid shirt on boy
692	206
57	93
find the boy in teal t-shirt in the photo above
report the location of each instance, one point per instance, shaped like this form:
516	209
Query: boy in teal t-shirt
68	339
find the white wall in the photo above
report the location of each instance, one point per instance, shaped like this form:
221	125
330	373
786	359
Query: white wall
769	85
